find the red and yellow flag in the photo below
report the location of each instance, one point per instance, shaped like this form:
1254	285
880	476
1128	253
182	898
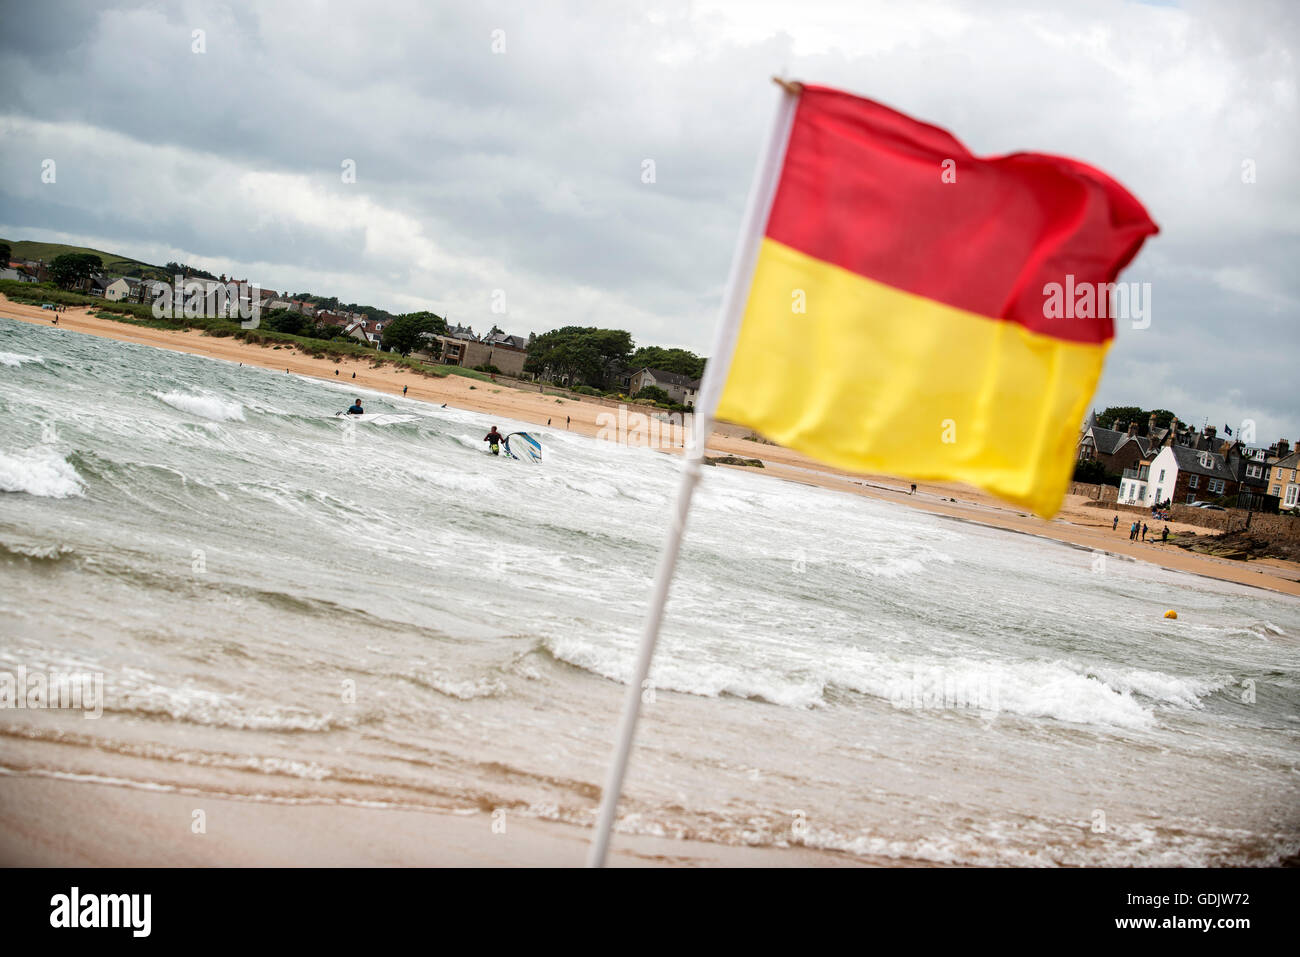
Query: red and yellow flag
897	317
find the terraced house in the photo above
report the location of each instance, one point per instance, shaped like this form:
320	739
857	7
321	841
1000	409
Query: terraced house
1283	480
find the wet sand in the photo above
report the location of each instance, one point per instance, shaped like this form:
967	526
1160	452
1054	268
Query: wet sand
57	822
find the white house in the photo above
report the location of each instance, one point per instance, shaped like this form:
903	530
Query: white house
123	288
680	388
1182	475
1133	486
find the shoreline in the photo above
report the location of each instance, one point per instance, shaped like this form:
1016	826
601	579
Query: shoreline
122	824
1077	524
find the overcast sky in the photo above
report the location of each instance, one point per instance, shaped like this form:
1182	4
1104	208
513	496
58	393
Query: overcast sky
500	146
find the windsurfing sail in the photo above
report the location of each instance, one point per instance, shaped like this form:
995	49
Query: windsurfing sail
526	448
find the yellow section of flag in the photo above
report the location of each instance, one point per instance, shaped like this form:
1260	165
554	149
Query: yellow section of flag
873	379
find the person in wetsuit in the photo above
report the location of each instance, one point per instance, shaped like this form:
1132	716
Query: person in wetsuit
494	439
356	409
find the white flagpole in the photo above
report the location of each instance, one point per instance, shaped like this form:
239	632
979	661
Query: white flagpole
734	297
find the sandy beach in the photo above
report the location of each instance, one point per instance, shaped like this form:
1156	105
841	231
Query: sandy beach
46	822
1077	524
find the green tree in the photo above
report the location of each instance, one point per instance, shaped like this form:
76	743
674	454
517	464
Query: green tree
406	333
287	321
1117	416
328	331
584	354
669	360
5	252
71	268
1163	417
1094	473
652	393
175	269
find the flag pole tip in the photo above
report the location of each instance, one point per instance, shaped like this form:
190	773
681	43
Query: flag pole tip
790	86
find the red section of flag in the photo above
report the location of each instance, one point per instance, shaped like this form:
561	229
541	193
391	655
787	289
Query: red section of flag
863	188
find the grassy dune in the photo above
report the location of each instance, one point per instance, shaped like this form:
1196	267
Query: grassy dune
114	265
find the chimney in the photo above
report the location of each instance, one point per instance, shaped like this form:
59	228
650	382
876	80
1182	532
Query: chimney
1132	428
1283	448
1151	424
1173	430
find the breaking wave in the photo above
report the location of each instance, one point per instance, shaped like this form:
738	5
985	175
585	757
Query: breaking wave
41	472
207	406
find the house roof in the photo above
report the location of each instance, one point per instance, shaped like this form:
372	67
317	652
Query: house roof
1106	441
671	378
1289	461
1143	444
510	342
1201	463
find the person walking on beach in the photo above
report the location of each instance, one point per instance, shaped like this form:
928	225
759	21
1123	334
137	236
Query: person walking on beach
913	492
548	422
354	375
1115	524
494	439
567	420
1144	531
1164	535
1133	532
403	392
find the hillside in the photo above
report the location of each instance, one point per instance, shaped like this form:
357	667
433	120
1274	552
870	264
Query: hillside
114	265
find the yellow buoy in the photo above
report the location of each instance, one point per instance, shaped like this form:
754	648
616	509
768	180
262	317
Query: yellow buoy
1171	613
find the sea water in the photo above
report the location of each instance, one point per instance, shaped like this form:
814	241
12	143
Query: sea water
286	607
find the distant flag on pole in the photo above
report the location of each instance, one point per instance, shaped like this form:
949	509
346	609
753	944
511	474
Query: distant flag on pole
1228	430
924	312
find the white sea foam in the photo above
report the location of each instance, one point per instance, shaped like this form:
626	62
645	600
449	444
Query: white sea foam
214	709
207	406
41	472
1163	688
16	359
1055	690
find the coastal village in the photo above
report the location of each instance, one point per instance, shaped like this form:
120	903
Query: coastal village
1161	466
495	351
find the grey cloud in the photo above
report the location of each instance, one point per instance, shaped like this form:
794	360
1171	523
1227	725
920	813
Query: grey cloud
524	167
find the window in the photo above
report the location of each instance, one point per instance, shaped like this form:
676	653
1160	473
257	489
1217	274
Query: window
1254	471
1216	486
1191	497
1291	493
1194	482
1277	490
1162	475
